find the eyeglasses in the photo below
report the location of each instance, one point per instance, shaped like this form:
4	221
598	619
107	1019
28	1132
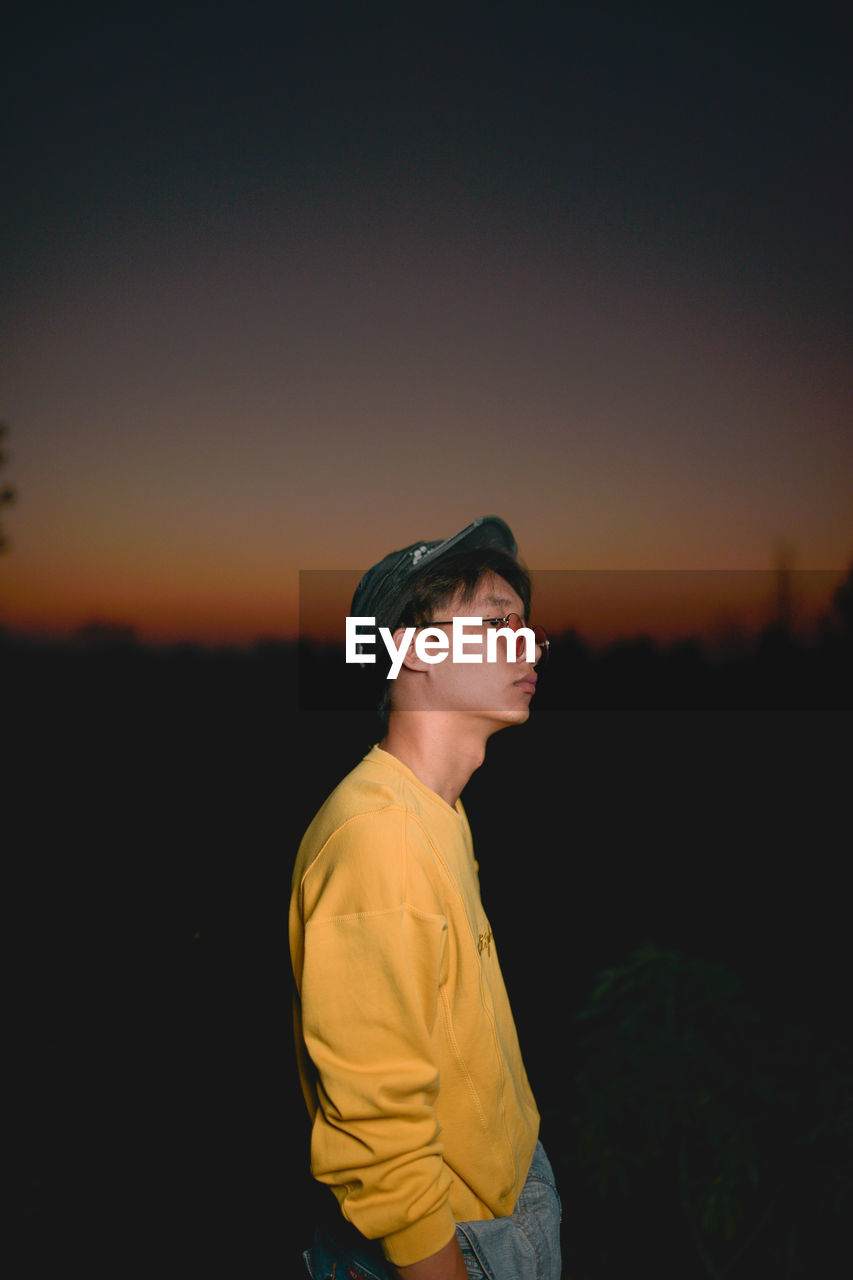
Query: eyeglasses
515	622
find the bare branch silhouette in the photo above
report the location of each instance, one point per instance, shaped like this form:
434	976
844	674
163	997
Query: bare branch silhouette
7	494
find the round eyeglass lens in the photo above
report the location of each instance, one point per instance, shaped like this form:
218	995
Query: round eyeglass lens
544	645
516	622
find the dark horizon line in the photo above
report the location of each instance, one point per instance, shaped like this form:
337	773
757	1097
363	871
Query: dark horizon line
103	636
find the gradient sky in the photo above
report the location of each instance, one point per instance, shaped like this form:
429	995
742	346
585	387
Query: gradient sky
287	286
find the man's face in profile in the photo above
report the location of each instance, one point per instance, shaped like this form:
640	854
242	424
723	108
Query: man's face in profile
497	692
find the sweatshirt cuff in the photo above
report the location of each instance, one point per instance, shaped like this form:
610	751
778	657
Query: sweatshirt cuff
422	1239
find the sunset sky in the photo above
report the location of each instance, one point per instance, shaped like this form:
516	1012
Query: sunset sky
287	286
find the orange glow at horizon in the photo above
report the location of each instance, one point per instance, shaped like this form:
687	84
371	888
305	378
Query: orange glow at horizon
235	601
606	605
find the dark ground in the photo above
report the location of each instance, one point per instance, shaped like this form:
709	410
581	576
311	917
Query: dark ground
154	805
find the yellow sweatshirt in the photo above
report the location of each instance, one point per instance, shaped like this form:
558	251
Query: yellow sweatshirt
422	1113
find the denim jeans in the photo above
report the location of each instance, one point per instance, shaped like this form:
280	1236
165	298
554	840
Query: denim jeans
525	1246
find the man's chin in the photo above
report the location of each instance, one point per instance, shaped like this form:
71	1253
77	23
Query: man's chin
519	715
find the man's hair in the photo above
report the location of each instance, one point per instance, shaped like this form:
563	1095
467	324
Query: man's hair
454	579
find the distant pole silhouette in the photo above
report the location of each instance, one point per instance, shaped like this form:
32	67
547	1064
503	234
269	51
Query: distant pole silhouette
783	565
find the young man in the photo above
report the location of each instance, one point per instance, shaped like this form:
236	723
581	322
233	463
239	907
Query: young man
423	1122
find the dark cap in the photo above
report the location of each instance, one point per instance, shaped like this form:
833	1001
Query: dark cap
382	591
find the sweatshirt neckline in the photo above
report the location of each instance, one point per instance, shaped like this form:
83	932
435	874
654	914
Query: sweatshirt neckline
399	767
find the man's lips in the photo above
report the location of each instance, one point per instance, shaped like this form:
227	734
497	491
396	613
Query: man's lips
528	682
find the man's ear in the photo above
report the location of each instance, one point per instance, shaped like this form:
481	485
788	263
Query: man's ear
410	658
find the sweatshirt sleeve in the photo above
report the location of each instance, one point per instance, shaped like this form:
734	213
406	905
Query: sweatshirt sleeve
374	948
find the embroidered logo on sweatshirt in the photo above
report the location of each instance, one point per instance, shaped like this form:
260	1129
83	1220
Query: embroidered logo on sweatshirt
484	942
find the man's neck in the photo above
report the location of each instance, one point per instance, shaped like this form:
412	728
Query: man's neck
439	748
